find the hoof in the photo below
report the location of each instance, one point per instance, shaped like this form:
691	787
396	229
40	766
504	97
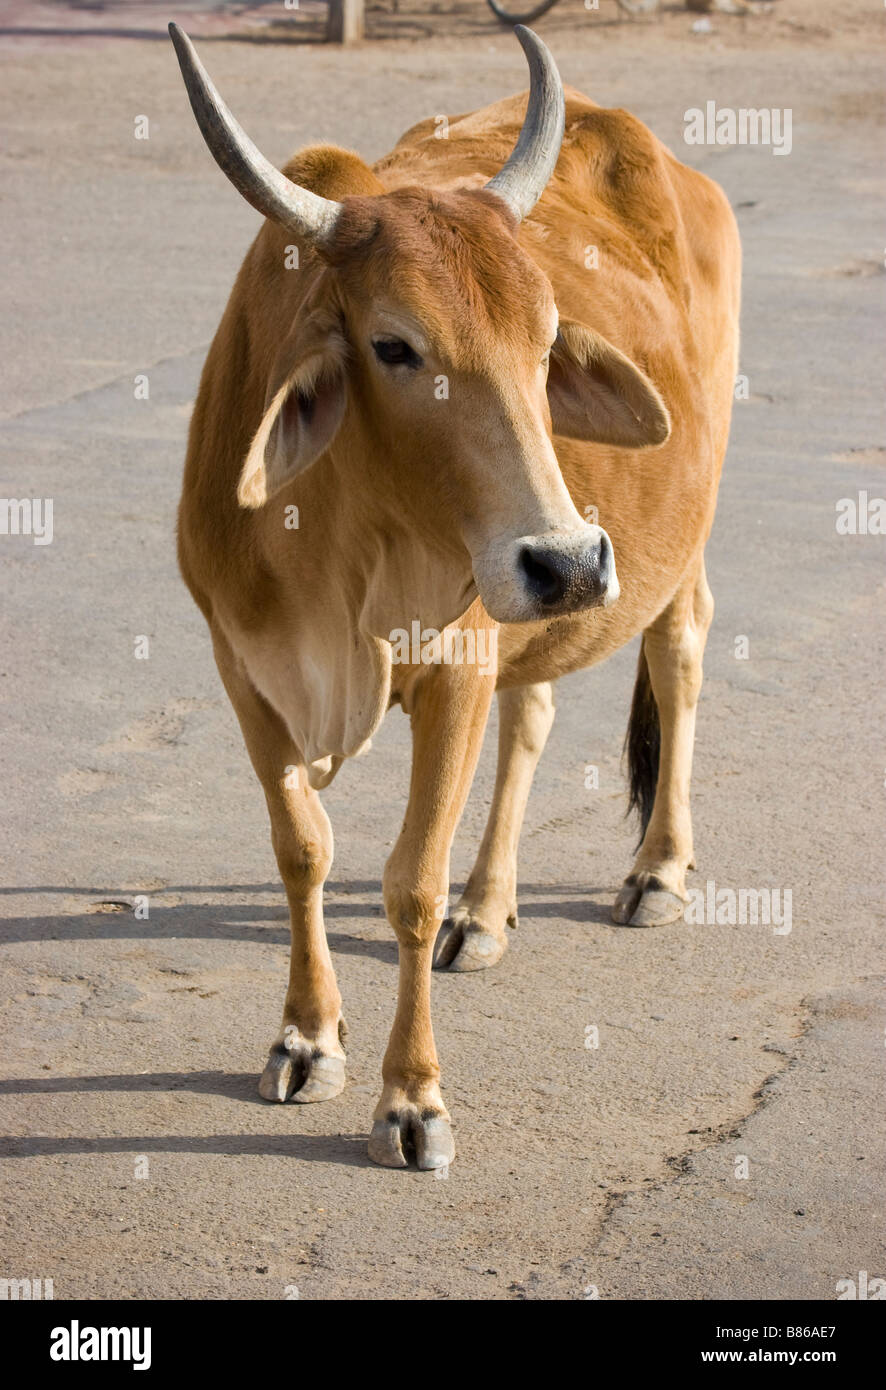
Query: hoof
298	1069
467	945
636	906
424	1134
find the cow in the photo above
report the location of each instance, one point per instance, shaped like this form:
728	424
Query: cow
436	381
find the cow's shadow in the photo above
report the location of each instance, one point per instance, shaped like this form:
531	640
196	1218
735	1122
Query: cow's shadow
109	914
346	1149
241	1086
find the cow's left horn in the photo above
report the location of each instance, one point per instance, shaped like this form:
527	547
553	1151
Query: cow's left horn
270	192
522	180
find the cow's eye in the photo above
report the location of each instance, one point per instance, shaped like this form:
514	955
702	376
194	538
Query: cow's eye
395	353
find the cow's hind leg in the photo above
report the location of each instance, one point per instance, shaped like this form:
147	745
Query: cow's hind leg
307	1059
477	929
660	742
448	709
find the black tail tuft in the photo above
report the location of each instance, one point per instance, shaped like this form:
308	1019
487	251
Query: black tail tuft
643	746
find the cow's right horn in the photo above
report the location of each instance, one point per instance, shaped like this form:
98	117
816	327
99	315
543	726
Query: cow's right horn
523	178
270	192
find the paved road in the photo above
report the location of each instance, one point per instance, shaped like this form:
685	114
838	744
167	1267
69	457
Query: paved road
141	1161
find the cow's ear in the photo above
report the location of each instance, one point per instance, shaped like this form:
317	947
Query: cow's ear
598	394
300	421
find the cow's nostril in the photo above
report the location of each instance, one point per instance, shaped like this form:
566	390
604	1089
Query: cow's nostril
546	574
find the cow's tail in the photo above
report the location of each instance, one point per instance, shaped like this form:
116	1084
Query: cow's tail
643	746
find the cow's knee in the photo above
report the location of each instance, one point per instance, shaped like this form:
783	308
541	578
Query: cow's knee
415	912
304	859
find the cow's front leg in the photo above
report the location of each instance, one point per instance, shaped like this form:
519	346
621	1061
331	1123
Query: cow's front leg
448	706
307	1058
654	893
478	927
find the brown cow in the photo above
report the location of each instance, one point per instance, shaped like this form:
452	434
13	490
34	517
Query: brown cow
436	368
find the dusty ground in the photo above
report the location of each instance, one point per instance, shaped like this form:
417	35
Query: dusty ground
128	1040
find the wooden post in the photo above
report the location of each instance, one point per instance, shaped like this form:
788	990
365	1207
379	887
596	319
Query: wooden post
345	21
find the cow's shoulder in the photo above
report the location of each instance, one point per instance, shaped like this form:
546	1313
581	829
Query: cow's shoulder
445	150
651	213
613	177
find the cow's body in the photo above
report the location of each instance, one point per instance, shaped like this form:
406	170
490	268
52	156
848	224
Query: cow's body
302	618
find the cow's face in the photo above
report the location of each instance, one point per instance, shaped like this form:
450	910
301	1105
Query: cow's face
433	353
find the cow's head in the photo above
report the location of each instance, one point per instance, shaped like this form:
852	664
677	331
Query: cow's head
434	339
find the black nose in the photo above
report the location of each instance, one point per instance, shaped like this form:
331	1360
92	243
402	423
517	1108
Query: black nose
564	579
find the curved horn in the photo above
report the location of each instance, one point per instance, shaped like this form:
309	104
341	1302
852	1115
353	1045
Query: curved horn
270	192
522	180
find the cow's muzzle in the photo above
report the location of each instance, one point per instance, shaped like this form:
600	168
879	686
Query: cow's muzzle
548	575
563	578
